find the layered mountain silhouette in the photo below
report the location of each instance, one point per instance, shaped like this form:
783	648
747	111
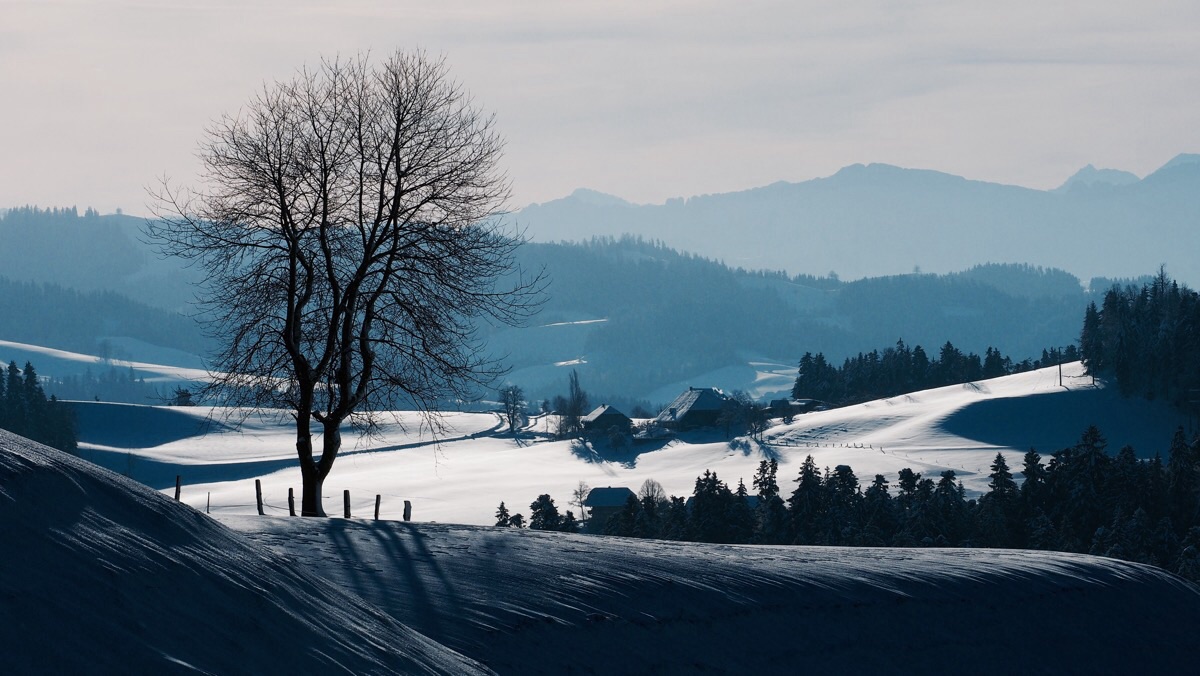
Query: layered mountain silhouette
877	219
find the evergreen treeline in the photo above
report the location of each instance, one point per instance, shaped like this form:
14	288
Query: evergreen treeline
1082	500
111	384
91	252
1147	338
25	410
900	369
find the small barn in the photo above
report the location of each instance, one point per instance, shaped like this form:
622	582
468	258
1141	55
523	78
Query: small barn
605	418
697	407
783	407
602	503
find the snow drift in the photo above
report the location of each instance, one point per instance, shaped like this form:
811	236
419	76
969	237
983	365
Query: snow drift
103	575
526	602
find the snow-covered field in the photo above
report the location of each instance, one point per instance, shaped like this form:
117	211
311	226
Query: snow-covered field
102	575
49	361
462	476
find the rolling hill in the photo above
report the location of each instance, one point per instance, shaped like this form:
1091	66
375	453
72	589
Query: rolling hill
462	476
114	577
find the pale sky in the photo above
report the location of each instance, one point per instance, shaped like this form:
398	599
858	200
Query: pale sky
646	100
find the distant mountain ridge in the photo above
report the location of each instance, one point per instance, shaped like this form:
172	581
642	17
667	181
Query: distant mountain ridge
877	219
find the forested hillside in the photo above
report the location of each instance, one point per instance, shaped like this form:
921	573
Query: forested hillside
1148	339
53	316
632	316
90	252
670	316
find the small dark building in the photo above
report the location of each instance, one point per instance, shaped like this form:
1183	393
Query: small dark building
783	407
698	407
602	503
605	418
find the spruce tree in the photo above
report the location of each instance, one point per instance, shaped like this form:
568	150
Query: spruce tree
1183	462
503	518
804	505
543	514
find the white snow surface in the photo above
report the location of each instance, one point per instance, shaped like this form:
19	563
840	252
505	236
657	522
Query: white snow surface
462	476
101	575
49	360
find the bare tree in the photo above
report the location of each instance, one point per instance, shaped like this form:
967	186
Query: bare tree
572	409
512	400
348	231
578	496
654	491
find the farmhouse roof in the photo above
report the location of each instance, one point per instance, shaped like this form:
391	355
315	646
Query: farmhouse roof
694	399
601	411
607	497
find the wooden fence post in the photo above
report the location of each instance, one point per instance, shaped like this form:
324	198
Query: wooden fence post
291	502
178	485
378	497
258	495
407	510
346	501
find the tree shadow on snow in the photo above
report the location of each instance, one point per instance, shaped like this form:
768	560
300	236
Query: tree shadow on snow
626	455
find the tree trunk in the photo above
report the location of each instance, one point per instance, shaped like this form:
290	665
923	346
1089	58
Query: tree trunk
311	480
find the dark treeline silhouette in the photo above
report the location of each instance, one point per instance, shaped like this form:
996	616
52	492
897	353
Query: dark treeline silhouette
900	370
1147	338
1082	500
25	410
111	383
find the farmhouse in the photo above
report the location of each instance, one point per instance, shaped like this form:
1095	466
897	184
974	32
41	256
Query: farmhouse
602	503
605	418
783	407
697	407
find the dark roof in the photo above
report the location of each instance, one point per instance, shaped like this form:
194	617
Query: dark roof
607	497
705	399
603	411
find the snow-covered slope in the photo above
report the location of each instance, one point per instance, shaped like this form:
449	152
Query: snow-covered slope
49	361
99	574
525	602
464	475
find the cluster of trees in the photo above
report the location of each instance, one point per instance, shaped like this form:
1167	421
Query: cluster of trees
1147	338
112	383
25	410
543	515
900	369
1082	500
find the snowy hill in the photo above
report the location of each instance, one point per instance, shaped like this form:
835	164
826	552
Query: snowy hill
102	575
113	578
526	602
463	476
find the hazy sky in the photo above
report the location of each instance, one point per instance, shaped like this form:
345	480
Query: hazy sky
646	100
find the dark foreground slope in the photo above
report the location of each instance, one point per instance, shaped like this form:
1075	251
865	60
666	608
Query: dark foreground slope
99	574
525	602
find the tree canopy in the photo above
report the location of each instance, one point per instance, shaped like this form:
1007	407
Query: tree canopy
349	237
